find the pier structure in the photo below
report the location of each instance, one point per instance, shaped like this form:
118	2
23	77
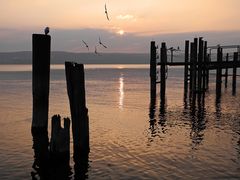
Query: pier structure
199	59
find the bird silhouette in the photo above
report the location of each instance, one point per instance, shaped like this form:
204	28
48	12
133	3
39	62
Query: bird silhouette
106	12
85	44
96	52
46	30
100	42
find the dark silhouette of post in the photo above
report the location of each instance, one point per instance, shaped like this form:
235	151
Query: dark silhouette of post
219	72
186	67
191	67
60	141
163	60
205	67
153	70
226	72
79	112
234	77
40	91
200	65
40	79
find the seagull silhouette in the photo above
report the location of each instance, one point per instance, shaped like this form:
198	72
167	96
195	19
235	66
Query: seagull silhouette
96	51
100	42
106	12
46	30
85	44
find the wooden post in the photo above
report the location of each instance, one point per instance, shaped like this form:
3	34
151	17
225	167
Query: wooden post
79	112
195	65
205	68
234	77
226	72
191	67
200	63
207	72
163	70
153	70
186	67
60	141
40	79
219	72
40	91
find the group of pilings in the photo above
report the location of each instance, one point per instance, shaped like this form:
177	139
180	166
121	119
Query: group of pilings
57	151
197	64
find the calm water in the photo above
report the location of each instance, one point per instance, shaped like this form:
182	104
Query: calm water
181	143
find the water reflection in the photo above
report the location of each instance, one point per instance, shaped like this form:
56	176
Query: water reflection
121	91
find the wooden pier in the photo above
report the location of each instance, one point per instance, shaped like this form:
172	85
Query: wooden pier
198	61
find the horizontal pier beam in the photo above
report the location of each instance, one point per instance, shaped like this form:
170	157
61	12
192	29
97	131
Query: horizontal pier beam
210	65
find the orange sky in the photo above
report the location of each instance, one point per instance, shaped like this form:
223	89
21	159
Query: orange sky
138	16
141	18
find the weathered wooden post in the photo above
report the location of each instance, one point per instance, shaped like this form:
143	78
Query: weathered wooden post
207	72
60	141
40	91
195	59
226	73
234	77
186	67
200	64
191	67
79	112
153	70
205	67
219	72
163	61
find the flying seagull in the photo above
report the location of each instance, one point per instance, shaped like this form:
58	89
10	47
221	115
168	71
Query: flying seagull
96	51
46	30
85	44
106	12
100	42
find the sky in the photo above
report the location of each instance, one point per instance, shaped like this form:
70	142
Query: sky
132	25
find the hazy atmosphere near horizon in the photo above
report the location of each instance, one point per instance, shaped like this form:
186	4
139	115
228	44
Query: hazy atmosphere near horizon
132	25
119	89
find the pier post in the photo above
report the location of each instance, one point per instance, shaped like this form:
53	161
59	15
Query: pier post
186	67
205	67
195	59
163	61
226	72
40	92
153	70
200	63
207	72
219	72
79	112
40	80
234	77
191	67
60	141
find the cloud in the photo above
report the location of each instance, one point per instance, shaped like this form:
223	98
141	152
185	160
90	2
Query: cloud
125	17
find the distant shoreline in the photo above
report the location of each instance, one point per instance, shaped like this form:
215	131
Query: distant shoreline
59	57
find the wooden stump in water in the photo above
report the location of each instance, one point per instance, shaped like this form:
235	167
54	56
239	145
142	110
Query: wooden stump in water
60	140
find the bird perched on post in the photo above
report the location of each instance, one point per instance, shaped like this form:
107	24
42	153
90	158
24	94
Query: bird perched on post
46	30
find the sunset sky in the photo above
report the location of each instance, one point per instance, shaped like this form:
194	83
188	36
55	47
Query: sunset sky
133	23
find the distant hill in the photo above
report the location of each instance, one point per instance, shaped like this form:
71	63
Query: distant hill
57	57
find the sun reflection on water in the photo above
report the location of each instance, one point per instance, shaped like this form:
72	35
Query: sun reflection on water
121	91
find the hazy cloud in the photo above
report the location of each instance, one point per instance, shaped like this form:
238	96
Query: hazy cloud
126	17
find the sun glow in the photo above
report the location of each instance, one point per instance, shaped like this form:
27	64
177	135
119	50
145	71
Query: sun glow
121	32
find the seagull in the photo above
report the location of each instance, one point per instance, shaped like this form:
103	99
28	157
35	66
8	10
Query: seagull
100	42
46	30
96	51
106	12
85	44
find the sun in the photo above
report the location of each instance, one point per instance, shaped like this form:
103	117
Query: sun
121	32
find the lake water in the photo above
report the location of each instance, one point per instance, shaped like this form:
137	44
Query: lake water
180	143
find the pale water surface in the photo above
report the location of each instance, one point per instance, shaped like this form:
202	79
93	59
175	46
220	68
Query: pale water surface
180	143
